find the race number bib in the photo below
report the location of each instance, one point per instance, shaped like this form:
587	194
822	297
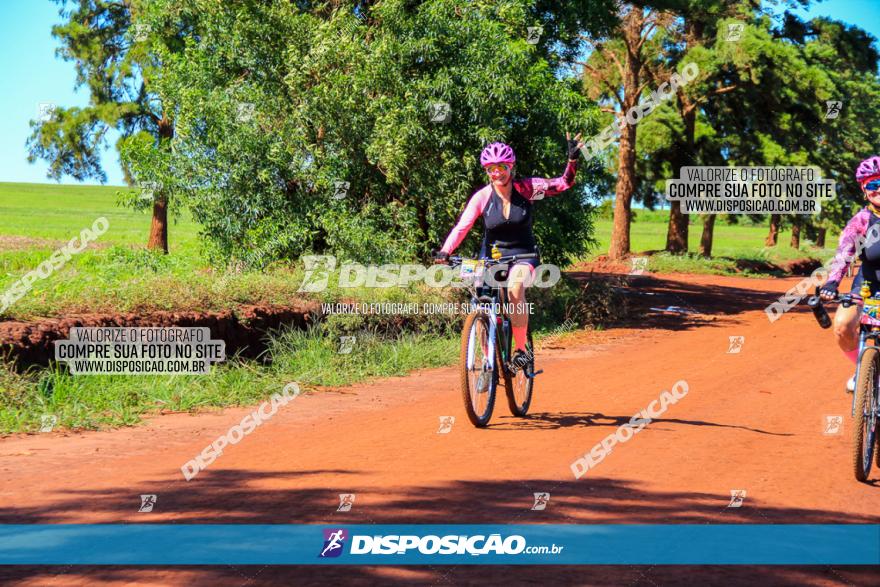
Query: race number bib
471	268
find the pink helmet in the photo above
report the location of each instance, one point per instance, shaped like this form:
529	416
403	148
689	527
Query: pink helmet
870	167
497	153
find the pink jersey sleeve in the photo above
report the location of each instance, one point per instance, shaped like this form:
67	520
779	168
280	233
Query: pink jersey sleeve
537	188
472	211
847	247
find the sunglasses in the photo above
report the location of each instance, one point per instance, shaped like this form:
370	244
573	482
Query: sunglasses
873	185
497	168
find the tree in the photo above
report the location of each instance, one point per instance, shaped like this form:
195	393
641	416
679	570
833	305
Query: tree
773	235
765	119
847	56
692	39
112	49
751	125
347	145
822	59
616	73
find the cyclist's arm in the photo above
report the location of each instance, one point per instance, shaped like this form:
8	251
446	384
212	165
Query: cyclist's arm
540	187
472	211
848	244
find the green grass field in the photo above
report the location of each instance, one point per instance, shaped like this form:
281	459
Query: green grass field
121	276
118	275
59	212
742	241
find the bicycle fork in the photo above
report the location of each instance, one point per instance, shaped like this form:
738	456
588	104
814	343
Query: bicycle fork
489	352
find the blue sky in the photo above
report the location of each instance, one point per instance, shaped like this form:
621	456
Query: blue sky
34	75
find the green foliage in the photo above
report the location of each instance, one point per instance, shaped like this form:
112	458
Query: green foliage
310	358
596	303
345	94
762	100
110	48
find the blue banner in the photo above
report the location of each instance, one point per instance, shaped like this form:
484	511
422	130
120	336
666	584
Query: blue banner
454	544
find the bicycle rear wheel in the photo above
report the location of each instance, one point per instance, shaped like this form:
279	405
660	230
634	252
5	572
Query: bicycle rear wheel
520	385
865	421
479	373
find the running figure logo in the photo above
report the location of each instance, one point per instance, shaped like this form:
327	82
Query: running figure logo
833	425
735	344
334	541
46	111
833	109
737	496
340	189
346	344
639	264
147	503
446	423
47	422
317	272
346	500
440	112
541	501
735	31
534	34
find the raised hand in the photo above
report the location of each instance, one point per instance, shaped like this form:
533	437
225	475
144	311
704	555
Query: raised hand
574	145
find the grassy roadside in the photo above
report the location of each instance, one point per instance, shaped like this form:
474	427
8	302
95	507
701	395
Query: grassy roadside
384	345
311	359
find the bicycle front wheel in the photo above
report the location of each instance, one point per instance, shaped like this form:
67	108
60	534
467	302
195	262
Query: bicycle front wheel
865	422
479	372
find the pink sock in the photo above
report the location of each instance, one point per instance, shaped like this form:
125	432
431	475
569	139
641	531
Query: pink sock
519	337
852	355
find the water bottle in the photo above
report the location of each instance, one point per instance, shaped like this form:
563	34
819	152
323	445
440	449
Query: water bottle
819	311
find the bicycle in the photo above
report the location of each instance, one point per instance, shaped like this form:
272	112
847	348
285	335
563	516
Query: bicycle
866	397
486	345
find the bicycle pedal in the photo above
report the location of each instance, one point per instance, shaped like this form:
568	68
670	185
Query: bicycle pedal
535	374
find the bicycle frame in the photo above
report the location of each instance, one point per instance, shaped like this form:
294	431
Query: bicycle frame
496	297
496	336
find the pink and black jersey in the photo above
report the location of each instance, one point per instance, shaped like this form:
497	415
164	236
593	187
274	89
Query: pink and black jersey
514	234
859	227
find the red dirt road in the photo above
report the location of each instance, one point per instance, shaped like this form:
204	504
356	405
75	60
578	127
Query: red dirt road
753	421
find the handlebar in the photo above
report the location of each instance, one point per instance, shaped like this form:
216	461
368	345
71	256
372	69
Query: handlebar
455	261
845	300
819	311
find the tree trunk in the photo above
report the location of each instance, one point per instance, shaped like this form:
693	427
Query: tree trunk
626	158
159	226
820	237
708	234
773	235
677	232
795	235
623	193
810	232
158	239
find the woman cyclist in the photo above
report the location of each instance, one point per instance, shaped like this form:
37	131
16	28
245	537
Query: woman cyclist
846	320
505	204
